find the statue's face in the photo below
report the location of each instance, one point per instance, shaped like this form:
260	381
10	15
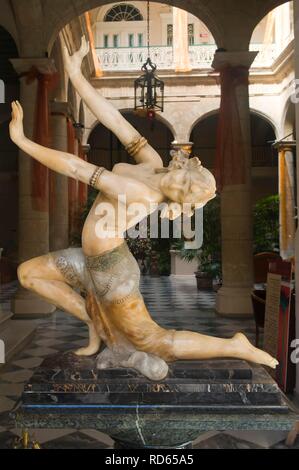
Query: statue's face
197	189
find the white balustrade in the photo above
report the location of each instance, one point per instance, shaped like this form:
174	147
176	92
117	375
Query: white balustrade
267	54
124	59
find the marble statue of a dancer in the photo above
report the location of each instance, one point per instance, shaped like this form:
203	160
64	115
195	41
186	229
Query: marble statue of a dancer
105	269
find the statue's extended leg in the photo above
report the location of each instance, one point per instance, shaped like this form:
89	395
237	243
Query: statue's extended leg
42	276
187	345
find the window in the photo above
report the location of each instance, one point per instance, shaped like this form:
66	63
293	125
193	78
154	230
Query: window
169	35
191	34
115	40
140	40
106	40
131	40
123	12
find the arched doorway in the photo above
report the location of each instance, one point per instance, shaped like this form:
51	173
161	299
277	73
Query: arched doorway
8	157
289	125
106	150
264	157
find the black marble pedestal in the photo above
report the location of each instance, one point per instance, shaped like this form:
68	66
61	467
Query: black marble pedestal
196	397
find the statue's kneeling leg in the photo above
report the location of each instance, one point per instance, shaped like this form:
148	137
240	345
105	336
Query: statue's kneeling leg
53	277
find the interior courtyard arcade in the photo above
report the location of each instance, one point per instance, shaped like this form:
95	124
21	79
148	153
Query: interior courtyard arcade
31	33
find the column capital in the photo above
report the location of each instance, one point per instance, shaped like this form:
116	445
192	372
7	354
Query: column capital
233	59
60	108
185	146
285	145
86	148
43	65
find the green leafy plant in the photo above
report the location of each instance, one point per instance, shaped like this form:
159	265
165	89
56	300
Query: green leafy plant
209	256
266	225
266	234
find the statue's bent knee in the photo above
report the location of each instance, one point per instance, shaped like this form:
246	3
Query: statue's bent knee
28	271
24	273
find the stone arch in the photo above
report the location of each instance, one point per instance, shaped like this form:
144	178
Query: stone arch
266	118
59	15
202	118
94	122
214	111
288	125
263	131
8	23
106	148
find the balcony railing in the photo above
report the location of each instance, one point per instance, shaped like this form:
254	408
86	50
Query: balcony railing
125	59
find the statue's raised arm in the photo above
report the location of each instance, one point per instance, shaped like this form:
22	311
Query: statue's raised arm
106	113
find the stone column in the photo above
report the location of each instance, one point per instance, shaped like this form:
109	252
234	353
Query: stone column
59	216
33	230
181	41
296	32
234	298
287	200
282	25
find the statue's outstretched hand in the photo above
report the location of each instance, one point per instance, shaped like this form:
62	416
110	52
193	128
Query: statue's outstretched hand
73	63
16	128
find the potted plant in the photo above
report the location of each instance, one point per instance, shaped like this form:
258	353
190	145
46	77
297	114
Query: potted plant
209	269
208	256
208	273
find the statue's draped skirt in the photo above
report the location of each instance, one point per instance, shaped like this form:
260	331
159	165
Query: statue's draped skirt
114	302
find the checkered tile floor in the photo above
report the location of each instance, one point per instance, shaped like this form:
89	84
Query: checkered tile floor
6	293
175	303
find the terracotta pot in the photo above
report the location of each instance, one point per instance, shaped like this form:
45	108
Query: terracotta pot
204	281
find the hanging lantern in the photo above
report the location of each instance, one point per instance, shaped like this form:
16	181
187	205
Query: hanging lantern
149	89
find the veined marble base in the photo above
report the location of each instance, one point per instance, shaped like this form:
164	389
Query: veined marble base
197	397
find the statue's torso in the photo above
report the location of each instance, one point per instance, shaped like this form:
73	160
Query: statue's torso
110	218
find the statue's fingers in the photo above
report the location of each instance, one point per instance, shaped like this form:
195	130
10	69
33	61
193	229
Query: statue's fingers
20	109
13	114
17	111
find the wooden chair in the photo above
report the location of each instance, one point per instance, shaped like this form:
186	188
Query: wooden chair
261	266
258	298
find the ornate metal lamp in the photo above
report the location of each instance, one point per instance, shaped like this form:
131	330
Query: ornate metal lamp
149	89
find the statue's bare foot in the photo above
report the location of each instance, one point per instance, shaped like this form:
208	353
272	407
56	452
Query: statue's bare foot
250	353
94	344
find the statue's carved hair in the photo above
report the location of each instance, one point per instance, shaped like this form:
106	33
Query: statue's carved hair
198	186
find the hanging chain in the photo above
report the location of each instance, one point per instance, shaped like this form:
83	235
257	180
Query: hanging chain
148	29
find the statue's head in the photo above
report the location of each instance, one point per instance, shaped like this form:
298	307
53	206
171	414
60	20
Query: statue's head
187	185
